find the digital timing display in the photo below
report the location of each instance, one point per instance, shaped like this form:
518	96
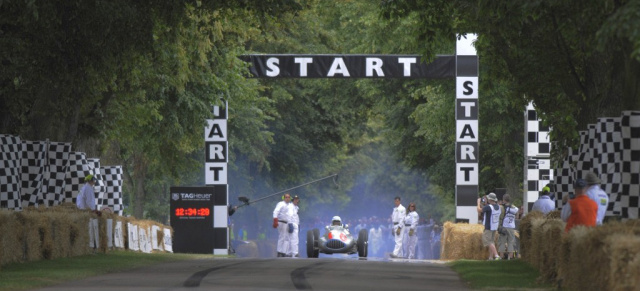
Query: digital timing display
192	212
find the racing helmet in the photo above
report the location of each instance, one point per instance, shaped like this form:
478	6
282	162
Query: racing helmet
336	221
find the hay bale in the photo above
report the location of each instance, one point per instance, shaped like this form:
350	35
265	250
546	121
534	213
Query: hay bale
60	234
552	231
535	242
36	236
525	233
463	241
590	252
10	244
624	251
79	233
556	214
572	272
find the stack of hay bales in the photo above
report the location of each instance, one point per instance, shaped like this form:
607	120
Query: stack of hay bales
56	232
605	257
526	235
462	241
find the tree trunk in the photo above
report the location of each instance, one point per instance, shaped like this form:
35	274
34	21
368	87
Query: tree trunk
139	179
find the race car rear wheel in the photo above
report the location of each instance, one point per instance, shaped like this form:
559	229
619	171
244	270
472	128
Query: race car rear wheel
316	235
363	243
311	250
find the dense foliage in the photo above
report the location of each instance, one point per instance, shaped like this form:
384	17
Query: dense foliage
132	82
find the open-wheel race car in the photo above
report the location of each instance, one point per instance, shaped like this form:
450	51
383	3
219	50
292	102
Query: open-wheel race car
337	240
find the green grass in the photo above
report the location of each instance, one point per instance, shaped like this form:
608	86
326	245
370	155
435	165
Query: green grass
21	276
499	275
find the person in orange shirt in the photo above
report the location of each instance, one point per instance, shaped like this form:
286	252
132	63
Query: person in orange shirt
580	210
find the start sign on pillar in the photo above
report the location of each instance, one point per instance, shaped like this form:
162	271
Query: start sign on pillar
215	167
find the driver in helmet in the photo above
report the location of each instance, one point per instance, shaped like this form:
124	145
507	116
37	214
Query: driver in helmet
336	222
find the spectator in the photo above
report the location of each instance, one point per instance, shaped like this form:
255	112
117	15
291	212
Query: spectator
597	195
490	220
544	203
506	241
87	198
435	242
580	210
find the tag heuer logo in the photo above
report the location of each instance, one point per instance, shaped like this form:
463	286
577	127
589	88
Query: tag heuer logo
175	196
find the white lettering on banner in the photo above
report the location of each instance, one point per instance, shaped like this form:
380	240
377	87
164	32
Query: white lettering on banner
467	108
467	87
303	65
466	130
272	64
407	65
467	174
467	152
215	173
216	130
374	64
338	67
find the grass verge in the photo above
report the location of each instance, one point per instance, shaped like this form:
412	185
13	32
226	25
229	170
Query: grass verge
499	275
30	275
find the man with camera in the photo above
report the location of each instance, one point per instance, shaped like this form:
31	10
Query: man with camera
490	220
507	229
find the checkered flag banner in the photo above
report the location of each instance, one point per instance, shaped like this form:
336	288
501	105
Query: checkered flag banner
55	172
112	190
630	131
608	158
74	179
564	177
33	163
10	163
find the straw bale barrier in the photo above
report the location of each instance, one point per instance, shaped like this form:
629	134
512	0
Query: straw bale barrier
10	230
550	247
463	241
536	240
57	232
624	273
525	234
570	258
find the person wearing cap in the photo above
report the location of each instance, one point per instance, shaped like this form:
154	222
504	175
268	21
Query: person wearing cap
506	242
295	222
580	210
397	217
544	203
281	217
597	195
490	219
87	198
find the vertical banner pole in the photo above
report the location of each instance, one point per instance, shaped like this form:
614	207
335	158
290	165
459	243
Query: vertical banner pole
467	151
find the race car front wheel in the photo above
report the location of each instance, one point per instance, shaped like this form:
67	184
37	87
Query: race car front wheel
311	249
363	243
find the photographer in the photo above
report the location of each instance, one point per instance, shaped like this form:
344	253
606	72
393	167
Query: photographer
491	219
506	242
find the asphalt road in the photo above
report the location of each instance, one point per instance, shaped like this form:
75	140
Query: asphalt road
279	274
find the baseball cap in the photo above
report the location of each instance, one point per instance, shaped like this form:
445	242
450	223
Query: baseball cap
90	178
579	184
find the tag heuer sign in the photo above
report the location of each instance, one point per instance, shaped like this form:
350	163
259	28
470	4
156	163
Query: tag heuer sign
175	196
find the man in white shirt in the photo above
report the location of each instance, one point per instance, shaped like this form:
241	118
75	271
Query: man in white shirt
87	198
598	195
410	235
397	217
295	222
281	217
544	203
